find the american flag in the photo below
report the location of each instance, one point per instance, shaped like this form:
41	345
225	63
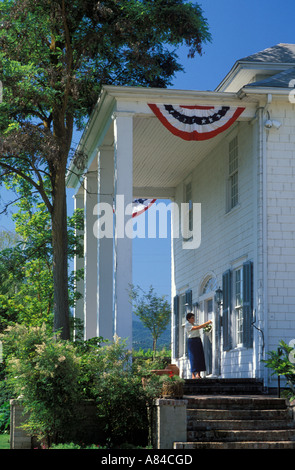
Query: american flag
196	122
141	205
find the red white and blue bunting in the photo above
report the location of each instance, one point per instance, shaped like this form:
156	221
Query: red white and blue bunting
196	122
141	205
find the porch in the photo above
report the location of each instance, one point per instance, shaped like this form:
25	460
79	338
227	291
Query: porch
127	151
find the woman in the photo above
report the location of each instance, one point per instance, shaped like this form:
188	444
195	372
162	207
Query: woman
195	346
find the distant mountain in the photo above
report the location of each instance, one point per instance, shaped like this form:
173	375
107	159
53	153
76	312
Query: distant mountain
142	338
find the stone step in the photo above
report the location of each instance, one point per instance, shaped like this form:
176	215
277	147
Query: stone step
216	386
225	435
247	445
238	425
235	403
238	422
229	414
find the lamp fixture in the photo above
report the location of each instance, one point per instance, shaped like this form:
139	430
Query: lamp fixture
218	296
272	123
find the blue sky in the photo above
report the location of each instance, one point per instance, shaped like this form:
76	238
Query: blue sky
239	28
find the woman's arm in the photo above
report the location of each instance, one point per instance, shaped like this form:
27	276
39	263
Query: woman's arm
199	327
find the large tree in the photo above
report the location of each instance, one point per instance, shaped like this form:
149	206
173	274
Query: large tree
26	281
54	57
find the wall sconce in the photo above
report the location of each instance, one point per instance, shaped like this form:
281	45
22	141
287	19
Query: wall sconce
218	296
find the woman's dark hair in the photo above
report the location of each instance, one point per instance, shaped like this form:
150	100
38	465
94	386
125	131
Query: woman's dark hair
189	315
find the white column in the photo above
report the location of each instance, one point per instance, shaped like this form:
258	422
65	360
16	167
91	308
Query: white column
105	247
90	257
79	264
123	183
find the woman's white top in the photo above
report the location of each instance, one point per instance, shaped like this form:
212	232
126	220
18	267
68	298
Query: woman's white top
192	333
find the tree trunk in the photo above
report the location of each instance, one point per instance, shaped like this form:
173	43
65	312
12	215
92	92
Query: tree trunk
154	346
60	250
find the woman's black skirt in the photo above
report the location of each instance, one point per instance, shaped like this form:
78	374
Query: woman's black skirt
196	354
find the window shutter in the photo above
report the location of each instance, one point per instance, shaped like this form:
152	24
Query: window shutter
248	304
226	318
189	299
176	326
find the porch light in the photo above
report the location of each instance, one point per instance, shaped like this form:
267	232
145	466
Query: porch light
218	296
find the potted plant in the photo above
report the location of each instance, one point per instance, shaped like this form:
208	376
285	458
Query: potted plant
172	386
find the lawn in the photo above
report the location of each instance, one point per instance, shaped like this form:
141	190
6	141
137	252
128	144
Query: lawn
4	441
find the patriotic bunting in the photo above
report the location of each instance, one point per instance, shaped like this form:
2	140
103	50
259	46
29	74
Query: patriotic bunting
141	205
196	122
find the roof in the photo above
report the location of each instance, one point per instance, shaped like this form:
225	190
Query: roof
279	80
281	53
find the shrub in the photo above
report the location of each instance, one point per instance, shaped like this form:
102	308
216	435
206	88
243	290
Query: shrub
121	399
44	371
279	361
52	376
4	403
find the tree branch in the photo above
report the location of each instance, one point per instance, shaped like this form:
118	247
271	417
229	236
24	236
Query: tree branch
40	189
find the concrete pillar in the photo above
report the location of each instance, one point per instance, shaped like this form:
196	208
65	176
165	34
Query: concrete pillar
105	246
79	264
123	184
169	423
90	256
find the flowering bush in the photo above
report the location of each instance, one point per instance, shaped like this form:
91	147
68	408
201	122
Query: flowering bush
44	371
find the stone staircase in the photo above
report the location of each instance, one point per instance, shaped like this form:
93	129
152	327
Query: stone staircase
235	414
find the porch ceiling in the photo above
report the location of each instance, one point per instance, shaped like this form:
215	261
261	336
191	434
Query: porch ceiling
162	160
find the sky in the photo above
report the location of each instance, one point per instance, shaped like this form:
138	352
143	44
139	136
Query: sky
238	28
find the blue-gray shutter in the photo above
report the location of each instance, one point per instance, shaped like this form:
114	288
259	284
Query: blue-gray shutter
176	326
226	315
248	304
189	299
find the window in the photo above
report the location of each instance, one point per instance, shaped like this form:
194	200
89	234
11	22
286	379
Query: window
210	286
233	186
238	307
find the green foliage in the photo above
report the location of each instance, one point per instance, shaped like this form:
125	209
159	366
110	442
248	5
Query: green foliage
73	445
121	400
4	417
280	362
140	353
52	377
26	271
44	371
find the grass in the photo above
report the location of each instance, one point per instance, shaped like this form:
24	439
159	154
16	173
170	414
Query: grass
4	441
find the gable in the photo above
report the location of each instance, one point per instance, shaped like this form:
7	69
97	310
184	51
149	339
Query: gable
263	65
